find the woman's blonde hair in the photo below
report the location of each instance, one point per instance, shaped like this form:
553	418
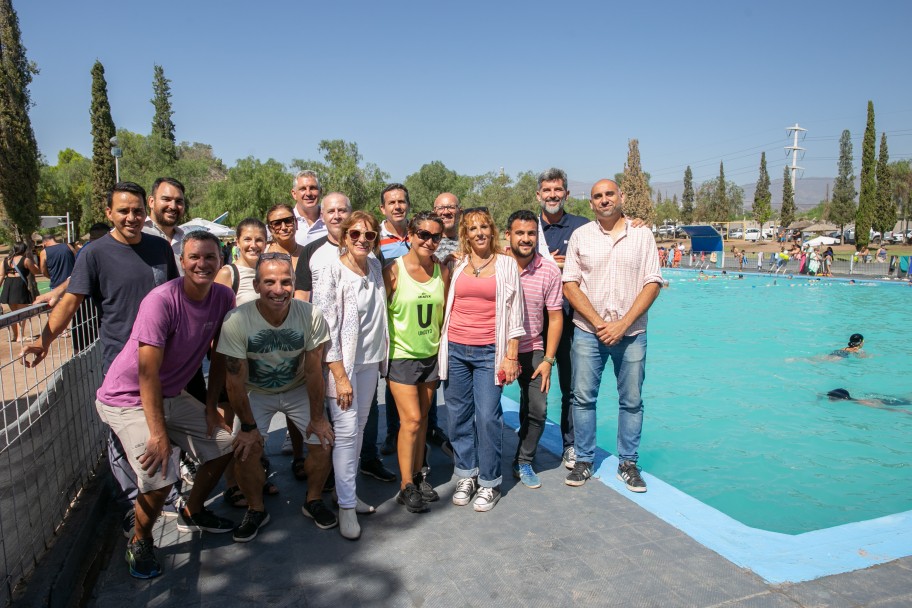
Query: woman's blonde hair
469	217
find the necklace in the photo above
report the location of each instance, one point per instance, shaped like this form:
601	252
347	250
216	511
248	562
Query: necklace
477	270
356	268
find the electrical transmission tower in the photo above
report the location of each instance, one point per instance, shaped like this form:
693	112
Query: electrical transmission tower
795	149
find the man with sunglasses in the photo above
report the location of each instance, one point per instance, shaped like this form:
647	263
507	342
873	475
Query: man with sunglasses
306	190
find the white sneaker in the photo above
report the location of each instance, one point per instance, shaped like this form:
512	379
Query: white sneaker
486	499
348	524
361	507
569	458
465	489
287	450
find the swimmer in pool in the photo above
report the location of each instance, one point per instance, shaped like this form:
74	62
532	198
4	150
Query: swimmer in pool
856	341
886	403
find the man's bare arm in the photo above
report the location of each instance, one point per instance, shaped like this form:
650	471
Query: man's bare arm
58	321
581	304
158	446
316	392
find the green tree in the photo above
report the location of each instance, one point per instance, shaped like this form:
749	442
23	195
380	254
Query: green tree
66	187
719	204
842	207
687	198
762	207
103	175
162	125
787	213
431	180
901	173
867	201
19	172
502	196
884	219
638	202
249	190
343	171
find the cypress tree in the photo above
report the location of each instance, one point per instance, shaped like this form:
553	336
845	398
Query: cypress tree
787	213
885	212
103	175
687	198
162	125
867	201
19	171
842	209
637	201
762	208
720	207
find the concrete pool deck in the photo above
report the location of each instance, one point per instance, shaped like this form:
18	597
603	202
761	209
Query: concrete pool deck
554	546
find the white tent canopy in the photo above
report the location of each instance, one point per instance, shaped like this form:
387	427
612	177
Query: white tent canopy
821	240
199	223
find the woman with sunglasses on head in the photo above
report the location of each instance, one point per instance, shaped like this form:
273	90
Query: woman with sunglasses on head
351	295
479	348
283	226
416	290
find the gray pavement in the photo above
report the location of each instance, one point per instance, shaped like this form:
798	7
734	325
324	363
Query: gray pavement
554	546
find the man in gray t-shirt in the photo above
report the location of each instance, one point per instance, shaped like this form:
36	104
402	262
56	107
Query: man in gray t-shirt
447	207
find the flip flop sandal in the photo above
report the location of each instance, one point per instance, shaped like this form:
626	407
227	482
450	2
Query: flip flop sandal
234	497
270	489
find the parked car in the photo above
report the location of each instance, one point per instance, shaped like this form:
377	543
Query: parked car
752	234
736	233
666	231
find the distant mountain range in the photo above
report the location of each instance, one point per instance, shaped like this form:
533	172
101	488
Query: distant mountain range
809	191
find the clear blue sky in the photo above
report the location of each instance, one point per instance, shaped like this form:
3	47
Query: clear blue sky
485	85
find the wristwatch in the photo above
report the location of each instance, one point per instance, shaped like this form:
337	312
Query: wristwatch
550	360
248	427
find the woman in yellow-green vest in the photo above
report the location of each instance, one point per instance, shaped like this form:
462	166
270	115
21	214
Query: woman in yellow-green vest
416	286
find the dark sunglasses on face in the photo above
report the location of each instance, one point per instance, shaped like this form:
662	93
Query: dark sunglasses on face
369	235
287	221
425	235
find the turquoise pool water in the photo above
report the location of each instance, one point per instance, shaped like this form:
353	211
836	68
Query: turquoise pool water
733	412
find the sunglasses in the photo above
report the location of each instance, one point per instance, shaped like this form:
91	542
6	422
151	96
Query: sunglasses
286	221
424	235
478	209
369	235
274	255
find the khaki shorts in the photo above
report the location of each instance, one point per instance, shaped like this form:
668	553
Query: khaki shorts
185	421
295	404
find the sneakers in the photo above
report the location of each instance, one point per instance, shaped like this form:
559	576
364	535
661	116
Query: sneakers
569	457
320	513
486	499
187	469
129	523
526	475
174	508
465	490
389	444
253	521
428	493
630	475
375	469
580	474
287	449
348	524
410	496
141	559
204	521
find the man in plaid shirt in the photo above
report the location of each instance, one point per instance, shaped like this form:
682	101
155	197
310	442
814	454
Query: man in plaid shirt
611	278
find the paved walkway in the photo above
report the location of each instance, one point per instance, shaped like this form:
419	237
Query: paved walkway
554	546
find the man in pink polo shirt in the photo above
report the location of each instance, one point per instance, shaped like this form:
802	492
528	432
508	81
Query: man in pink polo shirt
541	286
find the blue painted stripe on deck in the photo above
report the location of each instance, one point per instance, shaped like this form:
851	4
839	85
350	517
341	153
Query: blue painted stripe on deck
778	558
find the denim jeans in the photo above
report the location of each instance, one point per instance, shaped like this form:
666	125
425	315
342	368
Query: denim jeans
475	414
589	358
533	407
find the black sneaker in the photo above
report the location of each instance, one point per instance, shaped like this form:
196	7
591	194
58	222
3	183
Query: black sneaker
580	474
141	559
630	475
322	516
375	469
411	498
129	523
253	521
204	521
389	444
428	493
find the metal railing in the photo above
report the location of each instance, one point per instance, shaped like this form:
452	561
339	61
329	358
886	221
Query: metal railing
845	265
51	440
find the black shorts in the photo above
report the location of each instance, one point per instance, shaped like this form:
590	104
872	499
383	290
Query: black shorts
413	371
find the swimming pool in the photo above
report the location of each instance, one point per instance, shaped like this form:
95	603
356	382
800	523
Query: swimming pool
733	412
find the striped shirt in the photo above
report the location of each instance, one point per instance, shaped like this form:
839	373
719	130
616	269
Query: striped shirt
541	285
392	245
612	273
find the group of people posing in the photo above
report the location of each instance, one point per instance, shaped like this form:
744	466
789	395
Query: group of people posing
321	303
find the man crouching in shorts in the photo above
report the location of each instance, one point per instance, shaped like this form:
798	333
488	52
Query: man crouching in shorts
143	401
273	351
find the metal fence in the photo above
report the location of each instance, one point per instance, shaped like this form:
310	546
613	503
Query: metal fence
51	440
843	265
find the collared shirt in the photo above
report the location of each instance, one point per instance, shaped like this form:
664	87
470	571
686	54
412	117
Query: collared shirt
307	232
150	227
612	273
445	248
541	285
557	235
392	245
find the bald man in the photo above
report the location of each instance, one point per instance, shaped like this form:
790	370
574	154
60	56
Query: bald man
447	207
611	278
